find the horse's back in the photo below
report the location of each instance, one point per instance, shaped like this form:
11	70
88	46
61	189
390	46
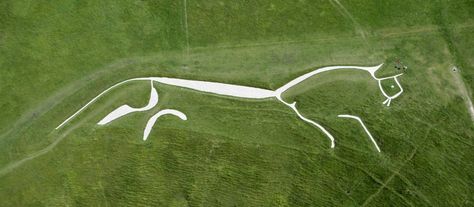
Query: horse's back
219	88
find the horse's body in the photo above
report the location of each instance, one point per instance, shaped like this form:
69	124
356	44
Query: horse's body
227	90
219	88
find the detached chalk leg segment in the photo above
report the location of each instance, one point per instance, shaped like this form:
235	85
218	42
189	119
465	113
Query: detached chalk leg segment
363	126
152	120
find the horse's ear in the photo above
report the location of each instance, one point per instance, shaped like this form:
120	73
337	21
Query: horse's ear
372	70
375	68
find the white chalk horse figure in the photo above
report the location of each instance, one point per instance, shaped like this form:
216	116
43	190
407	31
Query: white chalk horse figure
233	91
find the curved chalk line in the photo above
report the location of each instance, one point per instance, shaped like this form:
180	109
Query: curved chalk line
152	120
95	98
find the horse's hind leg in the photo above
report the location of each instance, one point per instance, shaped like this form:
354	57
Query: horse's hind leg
152	120
126	109
293	106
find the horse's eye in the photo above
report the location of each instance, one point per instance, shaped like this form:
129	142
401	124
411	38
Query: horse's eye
390	87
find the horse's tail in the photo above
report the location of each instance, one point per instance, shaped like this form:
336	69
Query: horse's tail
97	97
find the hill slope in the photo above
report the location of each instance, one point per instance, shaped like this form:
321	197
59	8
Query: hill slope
56	56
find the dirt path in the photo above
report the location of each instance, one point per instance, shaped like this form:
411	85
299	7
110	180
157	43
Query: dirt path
466	95
186	31
60	137
5	170
342	9
52	101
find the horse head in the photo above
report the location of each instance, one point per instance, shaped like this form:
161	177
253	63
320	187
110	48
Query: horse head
395	84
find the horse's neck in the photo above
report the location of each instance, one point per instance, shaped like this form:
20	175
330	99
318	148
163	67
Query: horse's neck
302	78
305	76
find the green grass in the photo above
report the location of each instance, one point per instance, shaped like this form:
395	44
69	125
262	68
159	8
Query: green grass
56	56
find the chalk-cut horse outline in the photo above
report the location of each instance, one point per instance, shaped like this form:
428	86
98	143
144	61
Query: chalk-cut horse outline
233	91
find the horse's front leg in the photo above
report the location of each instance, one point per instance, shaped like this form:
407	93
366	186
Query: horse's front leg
363	126
326	132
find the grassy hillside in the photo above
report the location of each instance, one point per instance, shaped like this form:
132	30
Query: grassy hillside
56	56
